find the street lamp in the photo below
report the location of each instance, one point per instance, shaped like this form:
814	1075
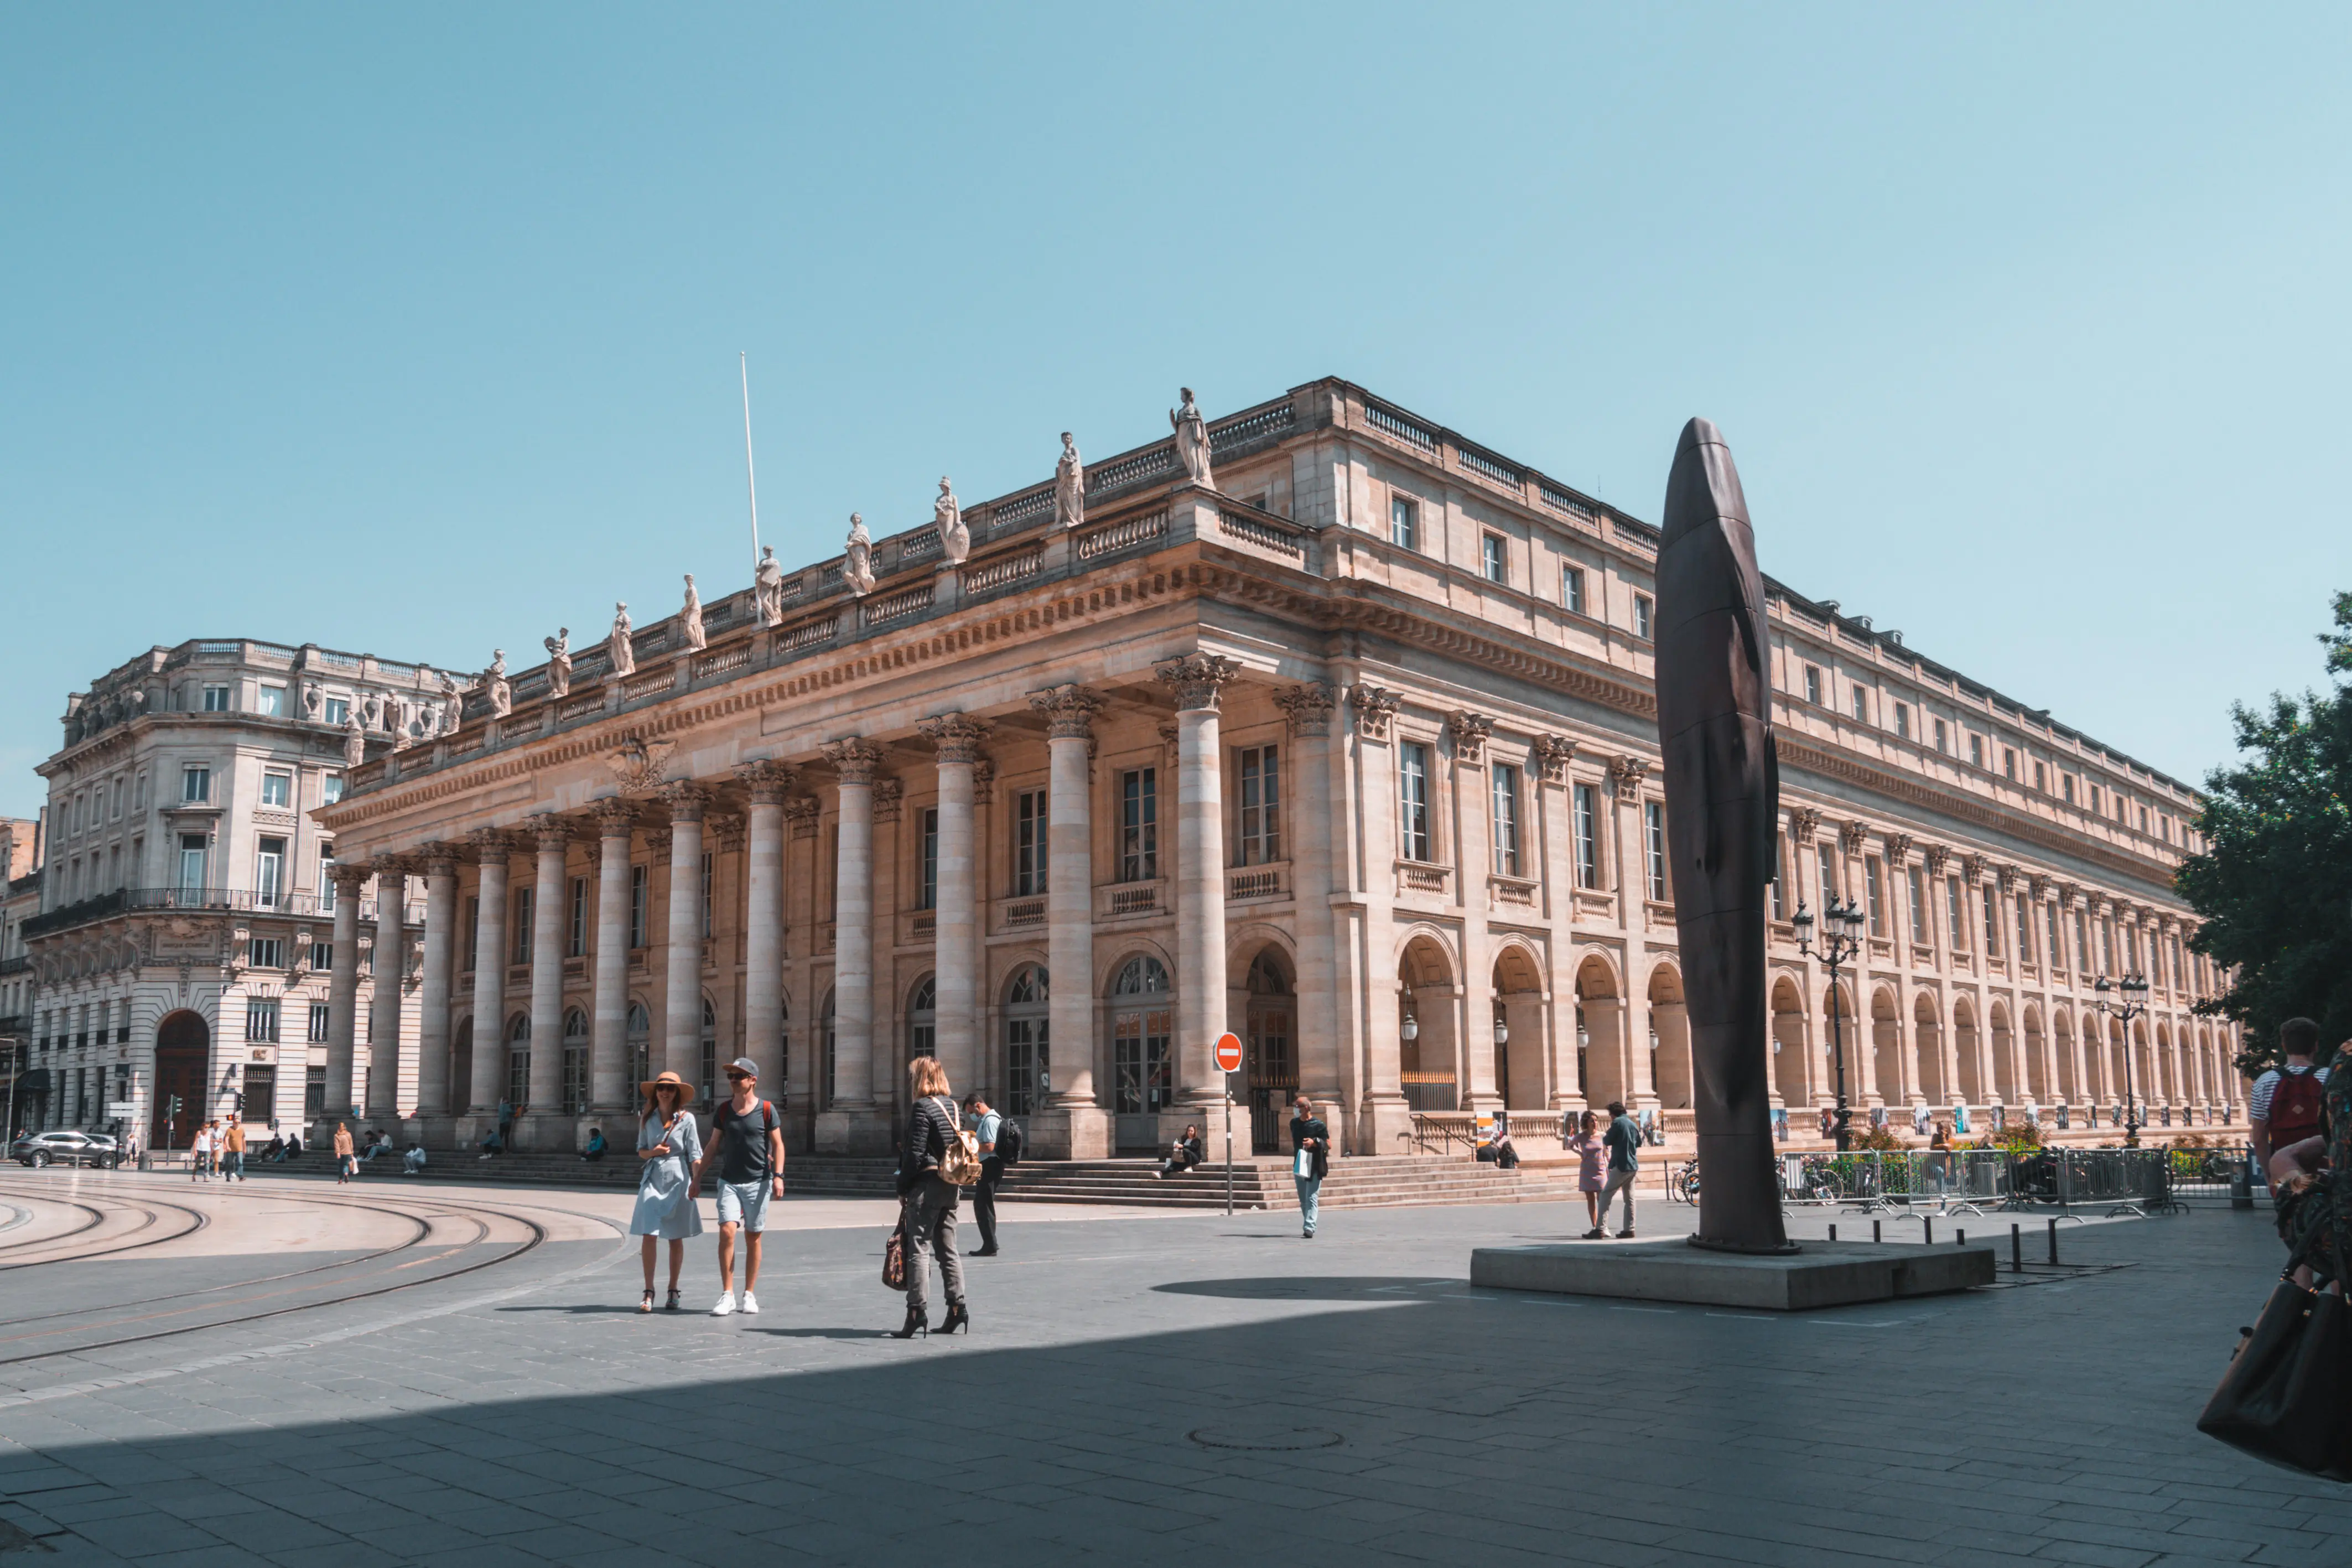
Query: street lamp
1841	940
2133	989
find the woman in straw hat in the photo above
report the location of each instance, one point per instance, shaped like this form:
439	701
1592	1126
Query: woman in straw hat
669	1145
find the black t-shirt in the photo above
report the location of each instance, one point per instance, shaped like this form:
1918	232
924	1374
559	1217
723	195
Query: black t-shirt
743	1141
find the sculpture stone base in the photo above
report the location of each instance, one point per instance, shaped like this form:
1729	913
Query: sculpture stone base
1824	1274
1068	1132
864	1131
550	1132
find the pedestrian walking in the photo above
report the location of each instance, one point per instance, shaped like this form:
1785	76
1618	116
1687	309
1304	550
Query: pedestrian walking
347	1164
2288	1103
1623	1141
747	1144
669	1144
200	1153
233	1149
929	1199
1591	1156
1310	1159
985	1126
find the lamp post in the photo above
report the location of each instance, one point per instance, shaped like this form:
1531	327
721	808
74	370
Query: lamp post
1841	940
2133	989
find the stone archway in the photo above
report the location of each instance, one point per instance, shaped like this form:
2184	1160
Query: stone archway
1429	1051
1928	1042
1599	1035
1967	1047
1888	1064
2006	1085
1793	1069
183	1067
1669	1042
1520	1035
1269	1047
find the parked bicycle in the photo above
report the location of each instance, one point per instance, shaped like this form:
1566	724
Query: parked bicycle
1683	1185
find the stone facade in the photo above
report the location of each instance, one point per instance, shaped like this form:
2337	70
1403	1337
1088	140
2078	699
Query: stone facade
174	941
1353	754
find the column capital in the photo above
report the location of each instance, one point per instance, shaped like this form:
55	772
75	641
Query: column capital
1306	707
1069	710
1853	835
853	760
391	866
768	782
687	800
1553	753
1470	732
983	781
887	794
802	811
550	831
2038	886
1939	856
1972	869
441	860
348	878
956	737
1374	706
2005	877
1898	848
1627	773
615	817
491	843
1197	680
1805	822
657	838
727	831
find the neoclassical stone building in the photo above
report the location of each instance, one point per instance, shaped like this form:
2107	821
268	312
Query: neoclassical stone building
1328	727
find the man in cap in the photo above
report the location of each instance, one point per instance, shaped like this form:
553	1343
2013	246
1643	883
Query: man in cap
747	1140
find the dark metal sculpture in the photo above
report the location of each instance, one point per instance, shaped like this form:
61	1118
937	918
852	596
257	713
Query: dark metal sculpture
1723	798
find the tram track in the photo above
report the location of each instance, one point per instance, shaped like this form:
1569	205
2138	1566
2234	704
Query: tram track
150	1212
386	1261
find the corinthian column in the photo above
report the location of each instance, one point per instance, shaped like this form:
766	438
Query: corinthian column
1073	1125
342	990
848	1122
608	1086
955	940
1196	681
490	849
682	1002
1323	1074
544	1090
433	996
764	930
390	960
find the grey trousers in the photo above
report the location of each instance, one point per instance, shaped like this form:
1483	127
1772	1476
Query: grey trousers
932	1224
1619	1182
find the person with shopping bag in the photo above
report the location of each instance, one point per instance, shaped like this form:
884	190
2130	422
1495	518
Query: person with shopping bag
939	1160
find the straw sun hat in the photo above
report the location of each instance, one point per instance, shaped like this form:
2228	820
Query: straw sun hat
667	1080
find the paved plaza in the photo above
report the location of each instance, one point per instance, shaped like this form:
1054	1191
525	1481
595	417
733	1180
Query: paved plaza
1138	1387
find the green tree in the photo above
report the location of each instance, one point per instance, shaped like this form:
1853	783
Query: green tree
2274	883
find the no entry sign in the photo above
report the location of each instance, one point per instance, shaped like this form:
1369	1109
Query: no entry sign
1229	1053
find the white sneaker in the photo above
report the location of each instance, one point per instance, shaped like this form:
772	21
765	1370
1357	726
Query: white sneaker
750	1304
725	1305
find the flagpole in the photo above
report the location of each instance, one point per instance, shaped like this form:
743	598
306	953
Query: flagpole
750	480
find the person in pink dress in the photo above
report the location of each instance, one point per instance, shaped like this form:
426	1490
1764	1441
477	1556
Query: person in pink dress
1590	1176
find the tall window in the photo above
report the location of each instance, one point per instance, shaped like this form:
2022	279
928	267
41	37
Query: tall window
521	935
2082	944
709	877
1916	884
261	1018
1861	706
260	952
473	933
215	698
579	944
1779	874
2054	951
1943	737
2040	786
191	862
1506	792
1813	684
2009	763
1654	838
1412	822
269	873
1588	836
1027	1057
640	899
322	1016
1903	719
1404	523
1261	829
1143	1023
1029	843
927	888
273	702
326	878
518	1063
1870	876
1642	609
923	1020
1828	856
337	711
1976	751
708	1083
1571	589
276	789
2024	930
1991	921
1495	558
330	788
1139	825
1955	922
195	784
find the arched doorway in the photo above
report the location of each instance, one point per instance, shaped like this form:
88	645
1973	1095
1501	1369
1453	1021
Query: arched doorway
1792	1065
1028	1054
1670	1058
1886	1059
2070	1075
1270	1060
640	1049
184	1044
923	1019
576	1062
1426	1046
1927	1035
1965	1047
1518	1025
517	1095
1599	1075
1143	1023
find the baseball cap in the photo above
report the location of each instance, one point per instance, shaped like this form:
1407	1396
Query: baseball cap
745	1066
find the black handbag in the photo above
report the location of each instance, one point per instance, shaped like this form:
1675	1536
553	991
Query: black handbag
2283	1396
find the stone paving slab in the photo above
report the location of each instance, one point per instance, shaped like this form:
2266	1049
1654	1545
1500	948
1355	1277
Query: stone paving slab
528	1416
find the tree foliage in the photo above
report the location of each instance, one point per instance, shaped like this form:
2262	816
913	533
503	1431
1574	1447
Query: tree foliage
2274	883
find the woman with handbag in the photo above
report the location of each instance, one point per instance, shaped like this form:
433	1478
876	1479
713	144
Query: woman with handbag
938	1161
669	1144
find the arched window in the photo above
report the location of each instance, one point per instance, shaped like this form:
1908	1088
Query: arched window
518	1063
1028	1075
709	1053
1141	1025
640	1042
922	1020
576	1062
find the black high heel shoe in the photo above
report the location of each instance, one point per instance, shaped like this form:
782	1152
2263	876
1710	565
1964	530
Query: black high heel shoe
957	1318
917	1322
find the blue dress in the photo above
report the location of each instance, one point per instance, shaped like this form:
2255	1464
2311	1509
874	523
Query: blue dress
663	1207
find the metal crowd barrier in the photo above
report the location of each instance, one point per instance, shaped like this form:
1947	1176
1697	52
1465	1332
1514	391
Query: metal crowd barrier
1981	1181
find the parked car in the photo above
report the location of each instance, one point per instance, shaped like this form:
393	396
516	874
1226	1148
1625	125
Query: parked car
65	1147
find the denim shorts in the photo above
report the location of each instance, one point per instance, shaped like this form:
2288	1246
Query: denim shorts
745	1203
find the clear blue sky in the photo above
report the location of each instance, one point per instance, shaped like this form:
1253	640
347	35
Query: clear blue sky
413	330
